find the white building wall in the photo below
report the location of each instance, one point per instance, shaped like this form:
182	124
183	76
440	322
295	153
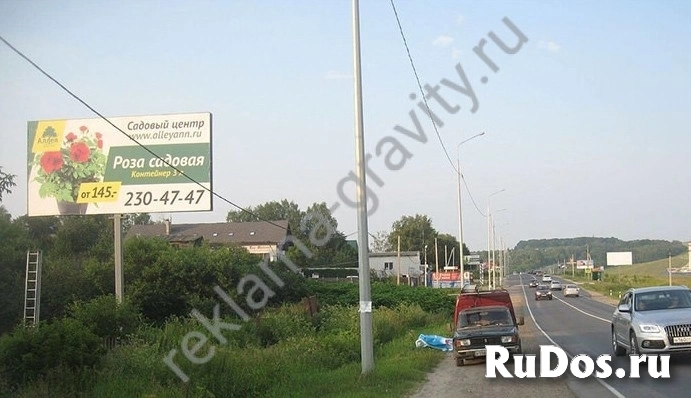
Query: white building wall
386	264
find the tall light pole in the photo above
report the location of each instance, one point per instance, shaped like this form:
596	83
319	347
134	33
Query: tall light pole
460	212
426	266
366	338
494	252
489	234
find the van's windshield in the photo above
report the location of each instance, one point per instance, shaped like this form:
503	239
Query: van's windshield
483	317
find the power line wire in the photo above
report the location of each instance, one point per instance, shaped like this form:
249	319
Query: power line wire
429	112
130	137
472	199
419	85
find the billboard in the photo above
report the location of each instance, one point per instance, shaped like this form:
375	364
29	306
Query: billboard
473	259
446	279
87	166
584	264
619	258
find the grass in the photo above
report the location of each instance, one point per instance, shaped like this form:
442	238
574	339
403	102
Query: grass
305	362
617	280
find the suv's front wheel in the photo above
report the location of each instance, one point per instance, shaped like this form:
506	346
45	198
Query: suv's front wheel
633	344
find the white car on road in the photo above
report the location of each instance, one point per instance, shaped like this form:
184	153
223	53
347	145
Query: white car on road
571	290
546	278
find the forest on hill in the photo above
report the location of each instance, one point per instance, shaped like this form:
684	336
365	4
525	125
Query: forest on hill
534	253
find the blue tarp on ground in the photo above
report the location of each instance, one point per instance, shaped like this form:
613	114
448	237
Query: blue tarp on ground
433	341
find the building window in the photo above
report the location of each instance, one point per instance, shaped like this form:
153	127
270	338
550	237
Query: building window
388	266
230	233
251	232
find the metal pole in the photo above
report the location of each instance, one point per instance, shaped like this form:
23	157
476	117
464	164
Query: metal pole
426	266
460	212
489	252
366	341
436	260
398	273
494	255
460	218
117	243
669	268
503	259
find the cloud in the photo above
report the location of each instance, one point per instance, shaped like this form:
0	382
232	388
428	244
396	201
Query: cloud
549	45
460	19
456	53
443	41
337	75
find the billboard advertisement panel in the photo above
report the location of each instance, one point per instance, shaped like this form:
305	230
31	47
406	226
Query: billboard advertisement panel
446	279
87	166
619	258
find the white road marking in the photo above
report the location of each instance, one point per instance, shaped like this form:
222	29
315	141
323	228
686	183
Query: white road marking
604	384
583	312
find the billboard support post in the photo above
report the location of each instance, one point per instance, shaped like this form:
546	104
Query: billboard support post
117	243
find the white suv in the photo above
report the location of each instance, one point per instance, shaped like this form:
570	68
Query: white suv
546	278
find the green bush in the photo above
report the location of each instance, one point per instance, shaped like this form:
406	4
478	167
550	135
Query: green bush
30	352
274	325
386	294
338	318
105	317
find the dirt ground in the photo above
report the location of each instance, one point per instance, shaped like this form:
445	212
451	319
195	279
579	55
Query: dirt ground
448	380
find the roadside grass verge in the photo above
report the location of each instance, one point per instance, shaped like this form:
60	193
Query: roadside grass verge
617	280
282	354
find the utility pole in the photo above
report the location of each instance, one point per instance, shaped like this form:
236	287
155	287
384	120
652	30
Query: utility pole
117	244
436	260
460	212
398	273
426	266
669	268
366	339
489	246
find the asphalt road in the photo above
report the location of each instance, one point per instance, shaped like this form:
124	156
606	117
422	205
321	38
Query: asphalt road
581	325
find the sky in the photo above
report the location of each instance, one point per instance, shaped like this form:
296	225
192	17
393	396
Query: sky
586	123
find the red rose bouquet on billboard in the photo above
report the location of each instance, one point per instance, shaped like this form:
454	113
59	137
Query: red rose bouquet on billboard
80	159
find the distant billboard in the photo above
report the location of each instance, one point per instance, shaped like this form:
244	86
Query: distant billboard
87	166
473	259
446	280
584	264
619	258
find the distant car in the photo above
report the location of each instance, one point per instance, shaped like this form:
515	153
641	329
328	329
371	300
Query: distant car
653	320
543	292
555	285
571	290
546	278
533	283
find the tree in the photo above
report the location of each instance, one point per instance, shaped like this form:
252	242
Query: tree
316	228
270	211
41	230
14	243
6	183
380	242
416	232
446	244
135	219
